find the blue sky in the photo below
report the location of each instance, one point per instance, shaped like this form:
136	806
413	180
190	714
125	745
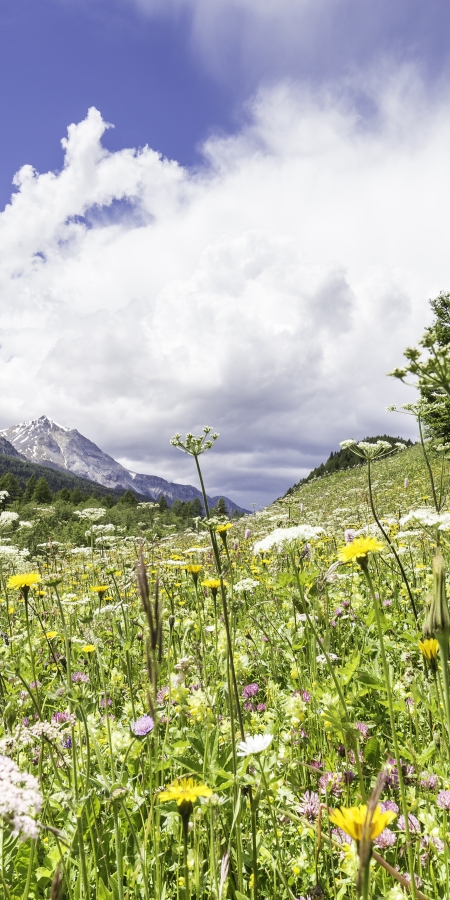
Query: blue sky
261	264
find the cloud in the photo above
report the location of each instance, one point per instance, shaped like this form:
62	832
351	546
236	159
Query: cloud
247	41
265	293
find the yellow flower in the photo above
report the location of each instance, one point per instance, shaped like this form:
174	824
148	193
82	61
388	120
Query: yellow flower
99	588
88	648
184	791
25	580
212	583
429	648
222	528
51	634
359	548
193	568
353	819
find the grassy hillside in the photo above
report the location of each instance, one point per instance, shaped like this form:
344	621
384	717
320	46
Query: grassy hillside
279	670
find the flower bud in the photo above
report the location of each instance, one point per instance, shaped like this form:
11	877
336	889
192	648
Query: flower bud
437	623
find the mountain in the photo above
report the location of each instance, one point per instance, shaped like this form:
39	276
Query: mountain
7	449
57	447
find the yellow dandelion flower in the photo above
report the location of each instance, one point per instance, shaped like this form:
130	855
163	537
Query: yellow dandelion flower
353	819
51	634
88	648
25	580
359	548
429	648
100	588
194	569
221	529
212	583
184	791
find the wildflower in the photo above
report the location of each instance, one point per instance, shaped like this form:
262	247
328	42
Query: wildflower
257	743
306	696
443	799
261	707
349	535
162	694
88	648
331	782
279	537
363	729
250	690
310	805
389	805
413	822
61	718
221	529
354	819
143	726
20	799
51	634
386	839
247	584
213	584
359	548
99	589
185	792
247	534
194	570
80	677
23	582
428	782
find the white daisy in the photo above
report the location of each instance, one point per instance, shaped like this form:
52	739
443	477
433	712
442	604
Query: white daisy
256	743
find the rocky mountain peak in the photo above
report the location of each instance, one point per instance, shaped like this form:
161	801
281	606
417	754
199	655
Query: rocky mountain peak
46	442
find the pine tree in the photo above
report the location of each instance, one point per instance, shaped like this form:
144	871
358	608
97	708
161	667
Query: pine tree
30	487
128	499
436	405
9	482
42	492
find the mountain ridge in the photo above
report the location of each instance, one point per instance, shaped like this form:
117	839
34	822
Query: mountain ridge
55	446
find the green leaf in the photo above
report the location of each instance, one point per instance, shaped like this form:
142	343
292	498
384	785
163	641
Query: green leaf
191	764
372	752
346	673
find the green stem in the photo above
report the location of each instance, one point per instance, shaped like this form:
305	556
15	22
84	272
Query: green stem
387	681
388	540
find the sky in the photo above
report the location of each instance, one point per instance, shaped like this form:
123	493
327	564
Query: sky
230	214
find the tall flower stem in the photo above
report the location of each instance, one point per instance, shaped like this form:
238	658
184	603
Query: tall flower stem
387	680
388	541
442	640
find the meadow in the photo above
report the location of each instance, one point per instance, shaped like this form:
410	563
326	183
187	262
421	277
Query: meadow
239	709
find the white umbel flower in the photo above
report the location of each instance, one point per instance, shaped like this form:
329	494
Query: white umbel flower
281	535
254	744
20	799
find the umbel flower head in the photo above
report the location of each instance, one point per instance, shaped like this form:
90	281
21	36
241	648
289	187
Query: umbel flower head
195	446
185	792
372	449
354	820
359	548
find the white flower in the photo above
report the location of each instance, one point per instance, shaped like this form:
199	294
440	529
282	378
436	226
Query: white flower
19	798
247	584
281	535
428	518
91	513
254	744
23	524
7	518
346	444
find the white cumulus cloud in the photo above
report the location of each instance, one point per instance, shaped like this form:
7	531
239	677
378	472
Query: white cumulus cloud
265	293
